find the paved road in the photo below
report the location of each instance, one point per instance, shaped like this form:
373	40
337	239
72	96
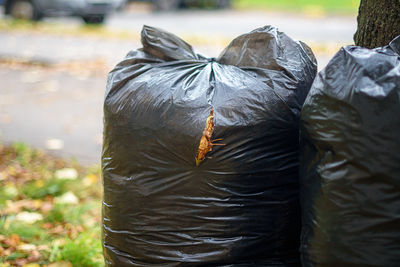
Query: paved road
233	23
42	107
42	104
230	23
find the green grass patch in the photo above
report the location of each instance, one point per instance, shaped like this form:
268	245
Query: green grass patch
83	251
23	230
50	209
39	189
74	214
301	6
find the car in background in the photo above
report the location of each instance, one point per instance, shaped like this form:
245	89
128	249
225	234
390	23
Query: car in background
91	11
166	5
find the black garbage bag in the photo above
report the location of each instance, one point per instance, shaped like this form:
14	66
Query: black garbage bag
167	204
350	161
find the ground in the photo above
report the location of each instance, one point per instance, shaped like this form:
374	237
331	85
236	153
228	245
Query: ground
49	210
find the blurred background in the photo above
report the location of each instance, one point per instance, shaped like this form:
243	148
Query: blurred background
55	54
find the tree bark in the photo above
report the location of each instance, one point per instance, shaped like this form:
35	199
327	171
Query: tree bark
378	22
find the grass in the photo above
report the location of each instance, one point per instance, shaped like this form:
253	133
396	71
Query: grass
82	251
302	6
50	210
32	232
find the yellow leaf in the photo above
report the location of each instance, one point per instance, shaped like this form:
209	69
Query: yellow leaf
11	170
39	183
31	265
90	179
37	203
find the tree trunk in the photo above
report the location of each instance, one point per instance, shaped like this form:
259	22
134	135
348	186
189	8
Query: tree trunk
378	22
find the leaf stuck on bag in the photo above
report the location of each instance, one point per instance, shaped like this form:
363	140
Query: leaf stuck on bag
206	143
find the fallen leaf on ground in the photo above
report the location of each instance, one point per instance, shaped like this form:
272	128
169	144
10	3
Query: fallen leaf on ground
13	241
13	207
54	144
20	262
27	247
34	256
46	207
67	198
29	217
43	247
7	252
66	174
58	230
60	264
90	179
31	265
47	225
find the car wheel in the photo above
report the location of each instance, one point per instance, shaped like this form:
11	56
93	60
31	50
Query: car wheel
93	19
24	9
166	5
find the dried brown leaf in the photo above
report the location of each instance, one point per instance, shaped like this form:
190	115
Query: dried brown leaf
13	241
34	256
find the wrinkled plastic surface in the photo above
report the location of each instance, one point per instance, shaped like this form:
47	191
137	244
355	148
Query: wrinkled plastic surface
350	174
241	206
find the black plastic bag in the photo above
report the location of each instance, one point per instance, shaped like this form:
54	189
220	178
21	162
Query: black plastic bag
241	206
350	161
